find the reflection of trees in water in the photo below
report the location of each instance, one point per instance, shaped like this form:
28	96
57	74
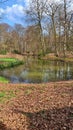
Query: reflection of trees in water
62	71
44	71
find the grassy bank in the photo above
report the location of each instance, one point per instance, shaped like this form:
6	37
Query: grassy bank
4	80
9	62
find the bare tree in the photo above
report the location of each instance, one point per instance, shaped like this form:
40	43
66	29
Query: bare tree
36	14
20	30
51	10
66	16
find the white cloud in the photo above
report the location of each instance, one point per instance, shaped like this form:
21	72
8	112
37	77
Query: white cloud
13	13
15	10
1	11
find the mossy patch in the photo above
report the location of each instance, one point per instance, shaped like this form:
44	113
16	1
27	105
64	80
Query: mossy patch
4	80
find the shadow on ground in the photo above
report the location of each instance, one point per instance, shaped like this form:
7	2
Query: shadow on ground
3	126
54	119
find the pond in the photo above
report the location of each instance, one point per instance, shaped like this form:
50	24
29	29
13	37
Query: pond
38	71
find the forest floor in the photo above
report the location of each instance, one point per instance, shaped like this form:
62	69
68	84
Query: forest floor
47	106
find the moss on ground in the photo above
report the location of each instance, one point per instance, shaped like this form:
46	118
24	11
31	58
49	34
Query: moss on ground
4	80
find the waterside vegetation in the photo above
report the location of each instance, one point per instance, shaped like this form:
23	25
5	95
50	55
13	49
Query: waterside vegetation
4	80
9	62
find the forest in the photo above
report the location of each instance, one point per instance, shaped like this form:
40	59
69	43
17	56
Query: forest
49	29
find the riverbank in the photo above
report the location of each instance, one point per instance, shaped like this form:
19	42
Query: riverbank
11	55
51	56
47	106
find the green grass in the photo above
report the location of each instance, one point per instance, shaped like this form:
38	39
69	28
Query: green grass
4	80
9	62
8	59
6	95
2	94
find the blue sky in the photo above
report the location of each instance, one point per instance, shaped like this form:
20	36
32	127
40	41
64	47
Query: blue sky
13	11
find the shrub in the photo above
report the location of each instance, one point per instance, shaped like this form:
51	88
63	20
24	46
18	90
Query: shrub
3	52
16	52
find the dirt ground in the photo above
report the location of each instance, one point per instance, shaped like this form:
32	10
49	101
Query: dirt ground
68	58
10	55
38	107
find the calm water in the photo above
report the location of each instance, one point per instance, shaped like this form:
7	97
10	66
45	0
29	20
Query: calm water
38	71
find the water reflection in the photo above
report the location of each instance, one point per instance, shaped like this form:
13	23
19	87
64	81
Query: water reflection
37	71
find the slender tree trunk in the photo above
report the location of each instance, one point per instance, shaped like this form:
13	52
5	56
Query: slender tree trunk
54	33
65	29
41	37
60	46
